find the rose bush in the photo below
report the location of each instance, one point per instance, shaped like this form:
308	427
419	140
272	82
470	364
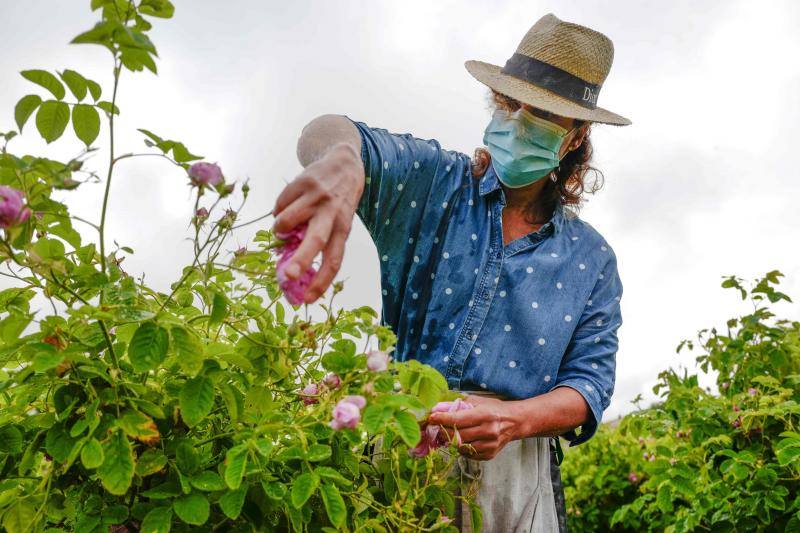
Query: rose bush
727	461
125	408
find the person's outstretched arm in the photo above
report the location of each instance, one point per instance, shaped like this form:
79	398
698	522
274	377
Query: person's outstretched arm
326	194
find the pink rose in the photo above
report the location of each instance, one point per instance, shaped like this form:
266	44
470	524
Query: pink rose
632	477
12	207
202	213
357	400
205	174
293	289
309	393
346	414
432	435
331	380
725	384
377	360
751	391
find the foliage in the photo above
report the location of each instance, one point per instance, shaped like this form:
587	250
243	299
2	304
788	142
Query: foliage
126	408
699	461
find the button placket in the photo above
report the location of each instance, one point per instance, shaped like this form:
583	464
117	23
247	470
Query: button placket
482	298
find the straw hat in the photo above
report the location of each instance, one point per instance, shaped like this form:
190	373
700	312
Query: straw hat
559	67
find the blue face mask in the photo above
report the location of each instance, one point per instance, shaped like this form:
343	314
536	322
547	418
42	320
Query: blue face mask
524	147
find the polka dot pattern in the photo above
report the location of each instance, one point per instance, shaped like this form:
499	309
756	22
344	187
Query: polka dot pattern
446	225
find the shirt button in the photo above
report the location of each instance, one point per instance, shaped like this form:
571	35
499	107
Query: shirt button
499	255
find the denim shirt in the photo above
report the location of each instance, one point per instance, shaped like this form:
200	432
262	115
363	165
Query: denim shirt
518	319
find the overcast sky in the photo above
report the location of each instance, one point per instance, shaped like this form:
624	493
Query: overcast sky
703	184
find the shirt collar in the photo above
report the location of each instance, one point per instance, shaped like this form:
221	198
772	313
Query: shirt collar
490	183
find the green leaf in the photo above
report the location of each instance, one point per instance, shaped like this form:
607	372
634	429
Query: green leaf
150	462
58	443
51	119
303	487
47	358
19	517
375	417
139	426
331	474
231	502
182	154
24	108
148	347
10	439
86	123
46	80
188	349
219	308
334	504
107	107
196	400
94	89
408	428
157	8
274	489
158	520
207	480
92	454
318	452
76	83
192	508
235	464
116	472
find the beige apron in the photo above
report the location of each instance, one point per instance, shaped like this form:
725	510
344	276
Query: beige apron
514	489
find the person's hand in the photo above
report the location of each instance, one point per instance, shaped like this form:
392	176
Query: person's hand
484	430
326	194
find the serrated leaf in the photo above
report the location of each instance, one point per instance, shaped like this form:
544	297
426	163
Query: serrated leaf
92	455
188	349
10	440
407	427
196	400
150	462
192	508
148	347
182	155
24	108
51	119
334	504
157	8
116	472
219	308
232	501
235	464
19	516
158	520
85	123
46	80
207	481
318	452
76	83
303	487
331	474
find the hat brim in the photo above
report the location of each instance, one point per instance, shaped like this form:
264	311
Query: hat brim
530	94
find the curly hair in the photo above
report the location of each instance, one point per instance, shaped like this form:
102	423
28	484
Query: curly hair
570	185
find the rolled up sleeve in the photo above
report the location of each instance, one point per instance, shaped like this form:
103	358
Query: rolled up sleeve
589	365
410	187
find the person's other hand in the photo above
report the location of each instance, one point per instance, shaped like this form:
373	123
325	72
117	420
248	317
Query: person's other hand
326	194
484	430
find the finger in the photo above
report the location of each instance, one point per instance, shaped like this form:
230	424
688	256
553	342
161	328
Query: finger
474	434
331	263
481	450
316	237
288	195
294	214
460	419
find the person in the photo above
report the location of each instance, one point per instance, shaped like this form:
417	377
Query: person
488	273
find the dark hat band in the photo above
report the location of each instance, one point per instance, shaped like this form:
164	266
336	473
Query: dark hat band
553	79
